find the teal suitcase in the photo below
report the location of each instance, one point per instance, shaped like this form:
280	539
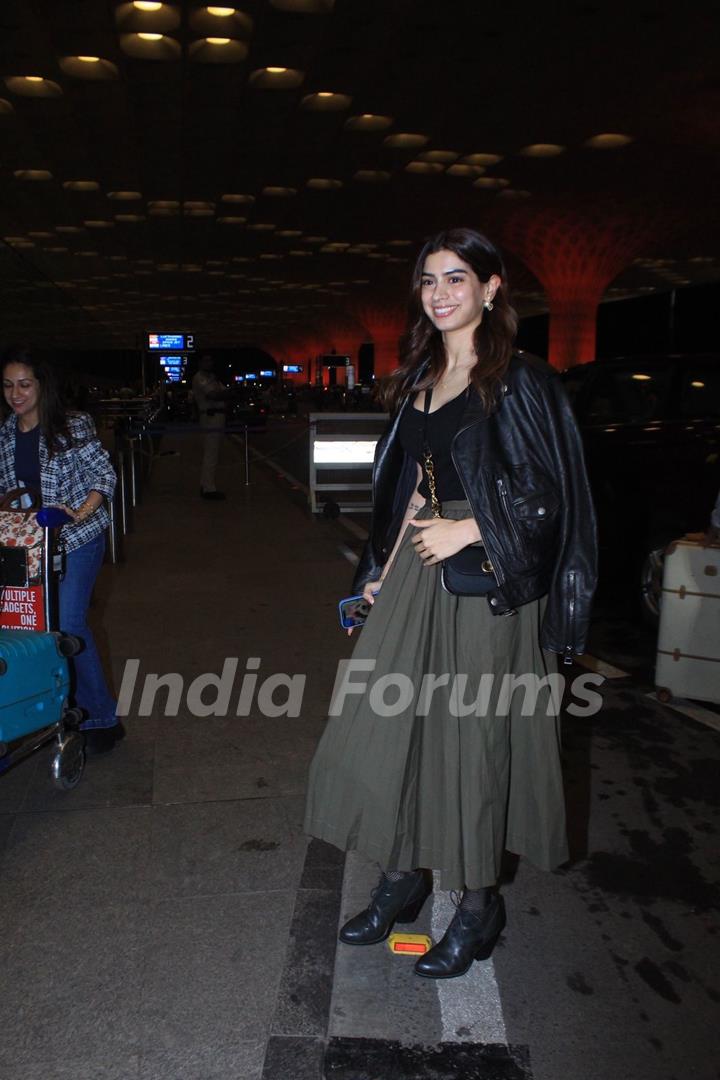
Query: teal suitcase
34	687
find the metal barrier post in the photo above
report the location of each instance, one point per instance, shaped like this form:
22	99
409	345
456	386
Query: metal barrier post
134	486
114	535
247	459
125	509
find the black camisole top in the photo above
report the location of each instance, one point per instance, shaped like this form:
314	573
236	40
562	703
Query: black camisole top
442	425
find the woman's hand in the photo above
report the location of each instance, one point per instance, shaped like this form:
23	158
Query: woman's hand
370	589
75	515
439	538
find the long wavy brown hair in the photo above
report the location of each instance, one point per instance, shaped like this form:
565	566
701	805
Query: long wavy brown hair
493	338
52	412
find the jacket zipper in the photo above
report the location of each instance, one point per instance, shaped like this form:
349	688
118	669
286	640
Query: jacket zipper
505	502
568	653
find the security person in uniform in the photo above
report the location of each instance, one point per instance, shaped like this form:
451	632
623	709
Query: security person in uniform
210	396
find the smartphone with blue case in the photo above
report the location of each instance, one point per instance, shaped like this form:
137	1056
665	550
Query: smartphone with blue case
353	611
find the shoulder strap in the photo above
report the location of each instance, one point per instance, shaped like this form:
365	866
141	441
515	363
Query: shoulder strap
426	413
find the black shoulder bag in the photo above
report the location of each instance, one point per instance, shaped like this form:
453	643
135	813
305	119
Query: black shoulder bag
469	572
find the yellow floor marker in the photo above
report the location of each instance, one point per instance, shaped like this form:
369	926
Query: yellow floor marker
413	944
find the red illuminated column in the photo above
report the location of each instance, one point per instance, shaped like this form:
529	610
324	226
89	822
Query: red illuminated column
575	255
386	325
573	310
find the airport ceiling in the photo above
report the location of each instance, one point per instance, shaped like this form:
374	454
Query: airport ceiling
250	171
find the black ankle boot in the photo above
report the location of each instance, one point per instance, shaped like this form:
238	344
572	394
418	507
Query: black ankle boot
392	901
470	936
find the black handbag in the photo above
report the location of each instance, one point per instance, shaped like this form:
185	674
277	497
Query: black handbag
468	572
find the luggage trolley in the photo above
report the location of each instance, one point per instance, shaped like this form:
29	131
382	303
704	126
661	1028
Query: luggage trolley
34	672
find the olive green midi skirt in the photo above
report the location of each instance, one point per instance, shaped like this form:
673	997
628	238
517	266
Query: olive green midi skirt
430	757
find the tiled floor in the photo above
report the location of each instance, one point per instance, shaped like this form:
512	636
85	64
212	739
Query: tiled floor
168	919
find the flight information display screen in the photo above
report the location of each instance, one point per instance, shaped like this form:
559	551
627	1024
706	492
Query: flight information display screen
182	342
173	367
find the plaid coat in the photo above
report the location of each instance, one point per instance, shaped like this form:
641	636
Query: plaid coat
68	477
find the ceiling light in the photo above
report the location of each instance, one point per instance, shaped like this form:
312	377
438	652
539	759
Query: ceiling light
81	185
156	17
608	141
32	174
68	229
124	196
405	140
465	170
41	235
150	46
490	182
32	86
98	223
237	198
279	192
88	67
231	220
147	5
443	157
542	150
198	204
368	122
129	218
289	233
424	168
220	22
482	159
276	78
323	183
218	50
326	101
262	226
372	176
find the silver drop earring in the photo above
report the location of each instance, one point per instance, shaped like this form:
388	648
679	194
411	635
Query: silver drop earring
488	305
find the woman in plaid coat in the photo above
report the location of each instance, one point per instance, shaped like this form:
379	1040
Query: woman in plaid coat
58	454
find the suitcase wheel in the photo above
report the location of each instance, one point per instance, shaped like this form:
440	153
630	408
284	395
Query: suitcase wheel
663	694
68	761
69	645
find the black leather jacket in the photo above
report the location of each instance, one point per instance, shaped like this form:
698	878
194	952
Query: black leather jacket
523	472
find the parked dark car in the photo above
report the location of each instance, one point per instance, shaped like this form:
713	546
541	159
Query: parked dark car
651	429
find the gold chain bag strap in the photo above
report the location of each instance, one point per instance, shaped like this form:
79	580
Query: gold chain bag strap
469	572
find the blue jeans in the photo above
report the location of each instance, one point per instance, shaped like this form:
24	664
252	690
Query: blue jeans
76	585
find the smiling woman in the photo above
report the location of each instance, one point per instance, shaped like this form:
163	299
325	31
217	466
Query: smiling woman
479	475
57	456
